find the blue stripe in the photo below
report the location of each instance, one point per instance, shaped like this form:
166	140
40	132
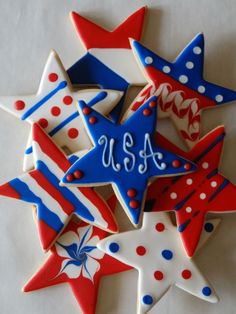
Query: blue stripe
43	213
80	209
63	123
181	203
210	147
220	188
182	227
212	173
28	113
29	150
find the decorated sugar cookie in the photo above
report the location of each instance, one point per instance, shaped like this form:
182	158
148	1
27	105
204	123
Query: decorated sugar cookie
182	92
76	260
124	155
56	204
53	107
157	253
109	61
194	195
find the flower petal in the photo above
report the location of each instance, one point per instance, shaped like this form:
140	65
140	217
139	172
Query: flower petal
90	268
97	254
68	267
84	235
66	239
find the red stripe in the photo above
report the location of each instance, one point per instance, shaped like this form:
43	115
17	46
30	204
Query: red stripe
46	234
7	190
67	207
49	148
102	207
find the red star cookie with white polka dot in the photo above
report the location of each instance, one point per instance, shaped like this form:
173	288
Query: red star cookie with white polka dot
76	260
157	253
54	108
194	195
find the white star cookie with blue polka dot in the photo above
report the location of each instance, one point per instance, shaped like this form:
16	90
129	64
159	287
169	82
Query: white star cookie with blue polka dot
53	107
157	253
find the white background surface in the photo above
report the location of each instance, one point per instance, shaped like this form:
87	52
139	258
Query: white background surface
28	30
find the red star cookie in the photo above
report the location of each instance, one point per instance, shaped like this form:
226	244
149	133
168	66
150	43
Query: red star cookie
76	260
194	195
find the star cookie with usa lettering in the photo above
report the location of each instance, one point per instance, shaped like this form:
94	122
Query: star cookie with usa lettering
181	89
109	61
75	259
157	253
126	156
191	197
56	204
54	108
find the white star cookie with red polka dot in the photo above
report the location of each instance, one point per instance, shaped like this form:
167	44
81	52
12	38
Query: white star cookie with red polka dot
157	253
54	108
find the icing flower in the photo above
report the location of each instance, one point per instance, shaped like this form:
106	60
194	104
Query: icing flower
80	253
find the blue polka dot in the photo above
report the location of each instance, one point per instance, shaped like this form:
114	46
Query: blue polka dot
208	227
114	247
206	291
167	254
148	299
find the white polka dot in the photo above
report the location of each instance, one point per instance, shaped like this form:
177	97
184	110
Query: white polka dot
213	184
166	69
201	89
205	165
219	98
183	79
188	209
160	156
189	65
202	196
148	60
197	50
173	195
189	181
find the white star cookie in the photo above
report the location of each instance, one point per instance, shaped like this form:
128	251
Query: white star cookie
157	253
54	108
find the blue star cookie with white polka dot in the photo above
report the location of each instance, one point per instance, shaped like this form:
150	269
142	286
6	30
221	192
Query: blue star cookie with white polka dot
181	89
126	156
157	253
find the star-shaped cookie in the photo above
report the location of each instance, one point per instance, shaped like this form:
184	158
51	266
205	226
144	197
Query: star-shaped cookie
109	61
54	108
124	155
56	204
75	259
192	196
181	89
157	253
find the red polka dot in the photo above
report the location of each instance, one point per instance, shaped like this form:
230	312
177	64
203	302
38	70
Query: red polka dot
86	111
158	275
176	163
134	204
70	177
92	120
78	174
152	104
19	105
147	112
73	133
43	123
187	166
67	100
140	250
186	274
131	192
160	227
55	111
53	77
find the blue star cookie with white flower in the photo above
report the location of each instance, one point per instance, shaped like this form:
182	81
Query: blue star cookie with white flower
181	89
124	155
